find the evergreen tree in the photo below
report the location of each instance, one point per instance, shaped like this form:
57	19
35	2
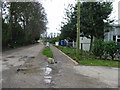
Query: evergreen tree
94	20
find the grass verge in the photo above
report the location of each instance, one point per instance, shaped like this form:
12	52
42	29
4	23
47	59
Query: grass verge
47	52
87	59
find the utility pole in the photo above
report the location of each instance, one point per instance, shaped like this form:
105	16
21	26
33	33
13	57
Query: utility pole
78	31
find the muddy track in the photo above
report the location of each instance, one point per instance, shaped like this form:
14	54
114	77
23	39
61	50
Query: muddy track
28	68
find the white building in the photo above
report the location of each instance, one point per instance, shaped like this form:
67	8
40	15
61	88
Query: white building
114	34
85	43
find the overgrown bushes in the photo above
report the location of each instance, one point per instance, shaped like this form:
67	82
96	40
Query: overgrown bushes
107	48
22	23
111	48
56	39
98	49
87	59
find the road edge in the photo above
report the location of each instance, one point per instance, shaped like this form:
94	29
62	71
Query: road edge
68	57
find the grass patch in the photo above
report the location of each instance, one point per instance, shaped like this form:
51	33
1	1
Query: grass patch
87	59
47	52
96	62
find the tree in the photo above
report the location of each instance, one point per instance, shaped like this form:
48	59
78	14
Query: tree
93	20
94	24
69	30
25	20
5	37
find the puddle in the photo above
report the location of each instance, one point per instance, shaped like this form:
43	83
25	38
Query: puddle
48	81
47	77
32	57
22	69
48	70
29	71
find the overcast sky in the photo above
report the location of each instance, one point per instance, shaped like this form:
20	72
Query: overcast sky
55	12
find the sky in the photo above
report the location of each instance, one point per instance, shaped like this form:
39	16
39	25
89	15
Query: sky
55	10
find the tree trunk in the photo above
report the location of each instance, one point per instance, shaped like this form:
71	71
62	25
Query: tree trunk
112	57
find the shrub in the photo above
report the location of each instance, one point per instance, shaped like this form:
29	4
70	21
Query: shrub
56	39
98	48
111	48
118	47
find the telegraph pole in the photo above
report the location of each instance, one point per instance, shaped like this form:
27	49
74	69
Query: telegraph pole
78	31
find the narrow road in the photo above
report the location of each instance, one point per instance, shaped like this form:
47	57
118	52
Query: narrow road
26	67
77	76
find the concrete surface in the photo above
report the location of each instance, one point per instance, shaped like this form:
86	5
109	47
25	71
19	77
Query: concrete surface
103	74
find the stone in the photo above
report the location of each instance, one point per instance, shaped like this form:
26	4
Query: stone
51	61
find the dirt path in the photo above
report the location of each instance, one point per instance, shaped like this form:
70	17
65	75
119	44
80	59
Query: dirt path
26	67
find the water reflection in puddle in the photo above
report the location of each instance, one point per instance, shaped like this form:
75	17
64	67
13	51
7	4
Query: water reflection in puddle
47	70
48	81
47	78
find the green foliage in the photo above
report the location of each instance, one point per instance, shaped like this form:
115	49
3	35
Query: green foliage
47	52
22	23
91	14
88	59
111	48
96	62
98	49
94	20
56	39
93	17
5	34
69	30
118	47
106	48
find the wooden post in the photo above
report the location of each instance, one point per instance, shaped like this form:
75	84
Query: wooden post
78	31
73	44
81	48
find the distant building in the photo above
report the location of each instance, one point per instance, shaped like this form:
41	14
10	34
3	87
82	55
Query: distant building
85	43
114	34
